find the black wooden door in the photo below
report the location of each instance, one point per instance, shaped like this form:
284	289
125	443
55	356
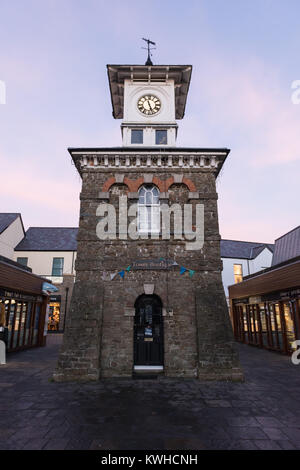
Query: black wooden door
148	331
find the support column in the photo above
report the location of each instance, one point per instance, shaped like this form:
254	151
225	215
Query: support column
79	357
217	351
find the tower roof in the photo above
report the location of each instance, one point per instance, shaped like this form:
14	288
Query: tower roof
181	74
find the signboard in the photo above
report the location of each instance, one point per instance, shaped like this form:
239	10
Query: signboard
55	298
20	296
153	264
281	295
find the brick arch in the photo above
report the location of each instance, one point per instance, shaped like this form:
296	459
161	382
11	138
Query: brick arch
189	183
162	184
108	183
134	184
123	187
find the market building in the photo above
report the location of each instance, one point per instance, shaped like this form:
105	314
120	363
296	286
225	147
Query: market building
22	305
51	253
142	302
266	306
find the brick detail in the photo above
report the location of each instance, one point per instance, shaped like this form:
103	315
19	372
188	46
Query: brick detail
189	183
163	185
134	185
108	183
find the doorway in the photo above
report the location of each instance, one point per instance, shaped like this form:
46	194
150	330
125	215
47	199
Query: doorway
148	332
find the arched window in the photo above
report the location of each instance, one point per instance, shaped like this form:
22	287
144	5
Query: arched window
149	210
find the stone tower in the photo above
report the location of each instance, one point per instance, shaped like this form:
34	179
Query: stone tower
148	300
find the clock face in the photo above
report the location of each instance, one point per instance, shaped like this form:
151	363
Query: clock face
149	105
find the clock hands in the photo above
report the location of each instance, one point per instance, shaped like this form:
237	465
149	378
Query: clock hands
149	105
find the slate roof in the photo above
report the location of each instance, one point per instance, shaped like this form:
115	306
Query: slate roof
7	218
287	246
49	239
243	250
65	239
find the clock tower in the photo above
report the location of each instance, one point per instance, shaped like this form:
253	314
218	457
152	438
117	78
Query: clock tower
149	100
148	300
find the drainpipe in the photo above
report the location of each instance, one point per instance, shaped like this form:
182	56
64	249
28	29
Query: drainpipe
66	306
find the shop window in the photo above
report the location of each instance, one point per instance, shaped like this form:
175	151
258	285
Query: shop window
12	308
36	324
23	261
161	137
54	313
264	325
57	266
28	324
16	324
238	273
22	324
289	324
137	136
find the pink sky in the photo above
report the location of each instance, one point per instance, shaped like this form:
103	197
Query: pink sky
53	61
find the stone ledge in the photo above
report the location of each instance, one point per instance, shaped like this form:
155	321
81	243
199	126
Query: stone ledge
213	196
133	195
234	374
193	195
103	195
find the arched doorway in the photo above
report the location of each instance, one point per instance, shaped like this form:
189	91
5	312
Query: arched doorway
148	332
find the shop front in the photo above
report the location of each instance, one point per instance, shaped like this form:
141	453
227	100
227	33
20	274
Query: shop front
265	317
23	306
269	324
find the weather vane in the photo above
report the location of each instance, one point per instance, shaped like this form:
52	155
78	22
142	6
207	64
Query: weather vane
149	61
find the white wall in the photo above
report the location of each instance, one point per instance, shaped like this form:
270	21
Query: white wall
41	261
263	260
10	238
228	274
149	137
165	91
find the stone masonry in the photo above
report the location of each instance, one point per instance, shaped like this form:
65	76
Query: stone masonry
98	339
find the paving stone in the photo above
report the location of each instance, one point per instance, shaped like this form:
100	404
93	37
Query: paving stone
244	432
265	444
56	444
286	445
275	434
151	414
268	421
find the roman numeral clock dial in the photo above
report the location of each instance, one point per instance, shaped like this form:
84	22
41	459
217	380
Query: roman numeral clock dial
149	105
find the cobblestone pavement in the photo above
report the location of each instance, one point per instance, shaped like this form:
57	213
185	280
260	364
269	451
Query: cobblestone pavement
262	413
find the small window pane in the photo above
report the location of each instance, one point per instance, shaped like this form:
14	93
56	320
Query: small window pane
136	136
57	266
161	137
148	197
149	210
22	261
238	273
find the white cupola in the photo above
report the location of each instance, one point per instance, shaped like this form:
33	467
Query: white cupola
149	99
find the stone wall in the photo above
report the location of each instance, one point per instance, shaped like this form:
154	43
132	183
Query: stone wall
98	340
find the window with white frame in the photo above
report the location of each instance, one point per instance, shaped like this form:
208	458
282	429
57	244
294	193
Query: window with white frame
149	210
57	266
